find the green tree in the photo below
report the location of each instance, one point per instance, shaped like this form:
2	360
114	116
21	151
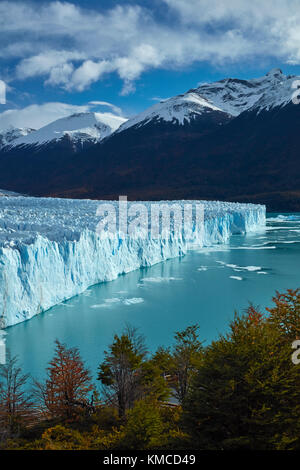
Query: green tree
186	357
144	428
126	374
246	393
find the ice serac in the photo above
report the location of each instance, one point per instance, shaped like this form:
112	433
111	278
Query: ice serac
50	250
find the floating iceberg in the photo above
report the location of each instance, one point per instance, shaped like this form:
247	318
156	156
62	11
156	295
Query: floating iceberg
50	249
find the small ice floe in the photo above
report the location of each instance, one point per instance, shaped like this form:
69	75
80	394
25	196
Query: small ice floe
237	278
107	303
117	301
235	267
254	247
251	268
212	249
113	300
104	305
284	218
134	300
270	228
160	279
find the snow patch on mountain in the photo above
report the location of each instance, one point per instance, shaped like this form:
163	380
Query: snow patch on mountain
80	127
8	136
235	96
5	193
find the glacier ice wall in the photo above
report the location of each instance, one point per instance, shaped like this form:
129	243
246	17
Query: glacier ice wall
50	250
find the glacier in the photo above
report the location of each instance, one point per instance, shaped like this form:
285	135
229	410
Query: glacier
50	250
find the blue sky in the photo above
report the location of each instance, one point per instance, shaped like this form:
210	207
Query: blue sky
58	57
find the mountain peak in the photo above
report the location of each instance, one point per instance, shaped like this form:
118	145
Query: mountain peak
275	73
230	96
80	127
9	135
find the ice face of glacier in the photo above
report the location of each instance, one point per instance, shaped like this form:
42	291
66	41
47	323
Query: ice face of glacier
50	249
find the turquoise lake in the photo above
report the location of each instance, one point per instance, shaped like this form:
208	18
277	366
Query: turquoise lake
204	287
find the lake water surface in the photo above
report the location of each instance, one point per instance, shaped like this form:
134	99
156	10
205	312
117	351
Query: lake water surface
204	287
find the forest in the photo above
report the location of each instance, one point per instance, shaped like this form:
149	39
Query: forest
241	392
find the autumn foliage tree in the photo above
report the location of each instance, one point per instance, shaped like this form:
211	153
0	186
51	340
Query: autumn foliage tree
285	314
67	389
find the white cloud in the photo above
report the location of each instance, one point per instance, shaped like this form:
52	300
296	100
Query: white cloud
114	108
73	47
45	62
159	99
88	73
39	115
36	116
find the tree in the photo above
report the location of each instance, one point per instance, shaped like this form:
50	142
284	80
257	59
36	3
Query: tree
15	404
285	315
187	354
145	427
126	375
68	387
62	438
120	371
246	393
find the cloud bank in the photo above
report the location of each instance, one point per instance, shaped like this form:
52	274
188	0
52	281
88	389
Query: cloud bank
72	47
38	115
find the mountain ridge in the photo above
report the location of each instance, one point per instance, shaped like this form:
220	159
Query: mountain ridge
184	147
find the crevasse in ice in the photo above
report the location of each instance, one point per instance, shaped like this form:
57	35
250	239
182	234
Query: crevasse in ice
50	250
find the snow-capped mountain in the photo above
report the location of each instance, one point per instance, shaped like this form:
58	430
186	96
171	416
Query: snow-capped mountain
8	136
235	96
229	96
181	109
5	193
80	128
231	140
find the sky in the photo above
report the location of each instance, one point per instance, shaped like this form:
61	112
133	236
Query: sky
122	56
